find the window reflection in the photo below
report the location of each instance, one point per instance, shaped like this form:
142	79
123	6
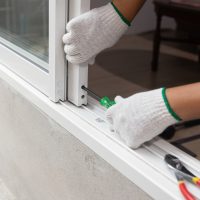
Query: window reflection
25	23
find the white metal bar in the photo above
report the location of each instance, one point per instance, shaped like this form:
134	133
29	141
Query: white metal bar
77	74
57	66
25	69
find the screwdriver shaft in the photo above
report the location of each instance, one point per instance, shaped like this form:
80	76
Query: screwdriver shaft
95	96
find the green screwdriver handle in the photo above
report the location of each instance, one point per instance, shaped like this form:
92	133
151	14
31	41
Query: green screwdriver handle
106	102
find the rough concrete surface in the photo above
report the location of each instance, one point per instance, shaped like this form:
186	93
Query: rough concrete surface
42	161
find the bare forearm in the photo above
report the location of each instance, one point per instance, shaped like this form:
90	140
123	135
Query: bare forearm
185	100
129	8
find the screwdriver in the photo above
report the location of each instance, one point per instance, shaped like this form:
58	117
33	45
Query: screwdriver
105	101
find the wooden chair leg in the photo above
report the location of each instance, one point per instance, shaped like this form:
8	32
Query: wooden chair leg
156	44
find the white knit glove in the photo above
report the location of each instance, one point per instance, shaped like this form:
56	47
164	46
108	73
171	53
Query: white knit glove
141	117
90	33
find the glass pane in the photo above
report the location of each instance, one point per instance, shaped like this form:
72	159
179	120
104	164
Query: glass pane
24	26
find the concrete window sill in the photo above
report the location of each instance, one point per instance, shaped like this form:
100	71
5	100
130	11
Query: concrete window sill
144	167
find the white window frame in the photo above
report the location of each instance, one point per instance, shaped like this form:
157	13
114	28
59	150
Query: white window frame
51	82
51	79
77	74
144	167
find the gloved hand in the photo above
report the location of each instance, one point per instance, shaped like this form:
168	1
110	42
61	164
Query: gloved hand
141	117
92	32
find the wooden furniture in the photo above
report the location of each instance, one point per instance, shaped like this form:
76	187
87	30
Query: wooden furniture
187	16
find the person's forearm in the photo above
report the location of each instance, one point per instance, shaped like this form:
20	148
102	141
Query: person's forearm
129	8
185	101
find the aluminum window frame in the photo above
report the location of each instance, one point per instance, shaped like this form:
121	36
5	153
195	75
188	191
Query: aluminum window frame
77	74
86	123
51	82
59	80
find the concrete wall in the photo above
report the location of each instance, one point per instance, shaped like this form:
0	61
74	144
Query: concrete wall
145	20
42	161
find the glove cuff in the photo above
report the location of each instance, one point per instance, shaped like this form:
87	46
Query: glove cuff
169	108
113	23
159	110
126	21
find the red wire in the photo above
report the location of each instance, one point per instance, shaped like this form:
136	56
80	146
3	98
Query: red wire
185	192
